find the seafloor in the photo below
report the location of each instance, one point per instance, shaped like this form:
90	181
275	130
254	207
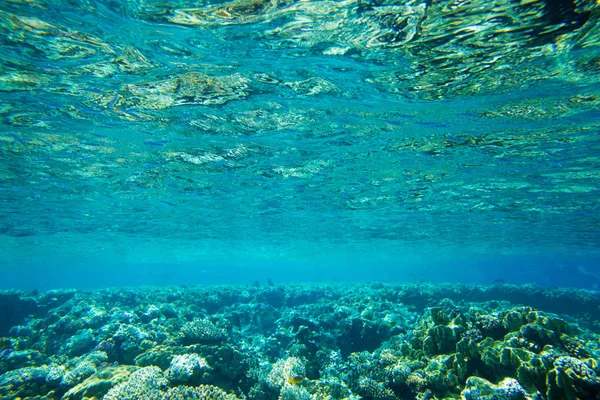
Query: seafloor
317	341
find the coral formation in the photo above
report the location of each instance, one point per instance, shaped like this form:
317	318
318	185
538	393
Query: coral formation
202	331
379	342
145	383
202	392
100	383
187	368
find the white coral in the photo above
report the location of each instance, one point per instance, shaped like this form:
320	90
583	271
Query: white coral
187	367
285	369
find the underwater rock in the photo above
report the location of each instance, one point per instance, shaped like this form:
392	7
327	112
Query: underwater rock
13	309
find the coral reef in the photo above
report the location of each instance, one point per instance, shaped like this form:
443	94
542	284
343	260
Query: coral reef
100	383
375	341
145	383
203	332
187	368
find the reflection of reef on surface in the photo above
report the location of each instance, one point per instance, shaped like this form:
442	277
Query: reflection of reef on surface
370	341
436	50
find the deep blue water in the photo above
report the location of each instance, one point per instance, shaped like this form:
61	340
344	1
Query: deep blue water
230	142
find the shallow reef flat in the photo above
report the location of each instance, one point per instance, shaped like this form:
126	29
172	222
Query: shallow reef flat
301	341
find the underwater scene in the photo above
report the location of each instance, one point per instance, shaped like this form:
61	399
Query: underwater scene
300	199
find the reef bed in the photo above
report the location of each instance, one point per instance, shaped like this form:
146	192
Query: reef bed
302	341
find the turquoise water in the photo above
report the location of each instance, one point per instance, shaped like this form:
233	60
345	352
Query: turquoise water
300	200
147	142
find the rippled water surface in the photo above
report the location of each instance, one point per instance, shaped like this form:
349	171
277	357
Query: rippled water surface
300	133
